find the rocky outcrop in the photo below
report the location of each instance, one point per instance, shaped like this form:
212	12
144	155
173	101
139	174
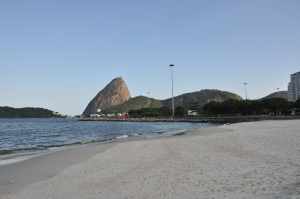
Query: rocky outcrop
115	93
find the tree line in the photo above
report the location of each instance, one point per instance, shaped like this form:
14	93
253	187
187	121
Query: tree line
162	112
272	106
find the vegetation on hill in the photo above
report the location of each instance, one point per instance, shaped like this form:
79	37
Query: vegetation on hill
162	112
196	100
135	103
272	106
150	112
9	112
279	94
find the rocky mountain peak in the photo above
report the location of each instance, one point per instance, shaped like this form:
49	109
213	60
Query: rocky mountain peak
115	93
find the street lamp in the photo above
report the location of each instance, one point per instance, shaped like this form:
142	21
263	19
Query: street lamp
172	86
246	91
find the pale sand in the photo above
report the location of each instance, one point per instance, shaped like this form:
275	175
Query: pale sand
247	160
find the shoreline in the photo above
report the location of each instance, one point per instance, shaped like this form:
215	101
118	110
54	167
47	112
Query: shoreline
249	160
7	154
213	120
14	156
76	153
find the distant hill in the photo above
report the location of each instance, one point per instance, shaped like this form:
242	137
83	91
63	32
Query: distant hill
279	94
115	97
9	112
135	103
196	100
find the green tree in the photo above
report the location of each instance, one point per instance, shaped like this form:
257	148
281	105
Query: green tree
165	112
180	111
276	106
297	104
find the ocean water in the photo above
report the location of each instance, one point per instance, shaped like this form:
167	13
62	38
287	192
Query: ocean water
17	135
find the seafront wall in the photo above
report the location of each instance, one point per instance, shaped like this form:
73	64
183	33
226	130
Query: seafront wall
221	120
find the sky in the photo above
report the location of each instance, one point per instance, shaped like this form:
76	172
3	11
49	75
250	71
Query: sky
58	54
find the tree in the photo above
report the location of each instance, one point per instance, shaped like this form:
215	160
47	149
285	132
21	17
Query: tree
212	108
150	112
180	111
276	106
297	104
165	111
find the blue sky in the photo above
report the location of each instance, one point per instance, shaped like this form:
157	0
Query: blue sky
58	54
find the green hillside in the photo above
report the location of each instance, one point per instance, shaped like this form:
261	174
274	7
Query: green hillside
196	100
279	94
135	103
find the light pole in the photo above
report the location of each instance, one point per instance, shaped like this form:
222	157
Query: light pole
246	91
172	86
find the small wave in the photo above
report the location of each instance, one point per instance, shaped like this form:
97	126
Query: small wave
160	132
20	150
122	137
175	133
13	160
51	146
6	152
137	134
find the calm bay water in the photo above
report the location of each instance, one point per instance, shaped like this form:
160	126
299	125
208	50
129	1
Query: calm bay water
39	134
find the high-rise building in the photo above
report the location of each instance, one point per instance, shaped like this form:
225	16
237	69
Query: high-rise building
294	87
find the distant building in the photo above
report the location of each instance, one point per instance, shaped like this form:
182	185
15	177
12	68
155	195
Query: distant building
294	87
111	115
192	113
95	115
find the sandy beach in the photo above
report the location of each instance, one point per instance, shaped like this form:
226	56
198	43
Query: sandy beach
246	160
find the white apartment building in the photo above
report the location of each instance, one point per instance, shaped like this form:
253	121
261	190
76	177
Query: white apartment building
294	87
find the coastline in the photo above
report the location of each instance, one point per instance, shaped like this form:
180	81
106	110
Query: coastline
18	155
249	160
25	163
28	136
213	120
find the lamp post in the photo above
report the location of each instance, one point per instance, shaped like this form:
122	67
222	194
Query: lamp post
246	91
172	87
